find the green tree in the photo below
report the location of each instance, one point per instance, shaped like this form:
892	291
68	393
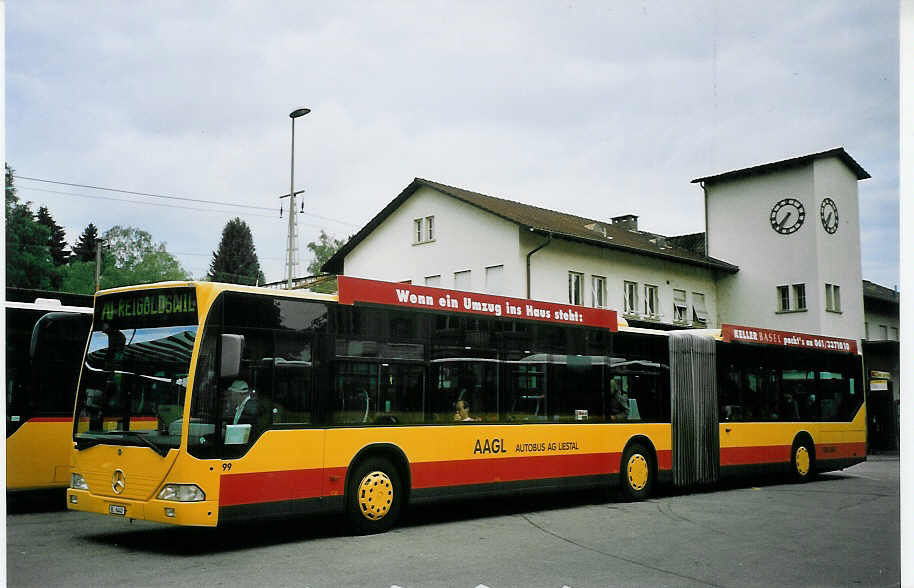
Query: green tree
323	249
129	256
57	244
84	250
235	261
28	258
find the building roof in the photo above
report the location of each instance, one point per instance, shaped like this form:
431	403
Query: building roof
547	222
876	292
838	152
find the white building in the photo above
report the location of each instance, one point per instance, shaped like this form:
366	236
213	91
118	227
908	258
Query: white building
783	238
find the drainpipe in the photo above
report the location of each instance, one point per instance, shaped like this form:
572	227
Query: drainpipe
548	241
705	190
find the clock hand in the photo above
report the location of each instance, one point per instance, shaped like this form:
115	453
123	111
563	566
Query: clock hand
783	222
828	220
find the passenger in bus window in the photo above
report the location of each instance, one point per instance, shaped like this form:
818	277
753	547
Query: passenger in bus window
463	411
618	402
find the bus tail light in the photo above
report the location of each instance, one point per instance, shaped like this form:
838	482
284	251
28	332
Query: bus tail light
77	482
182	493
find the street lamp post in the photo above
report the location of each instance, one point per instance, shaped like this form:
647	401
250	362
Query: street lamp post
293	115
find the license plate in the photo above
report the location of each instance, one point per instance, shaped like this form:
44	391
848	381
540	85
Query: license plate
117	509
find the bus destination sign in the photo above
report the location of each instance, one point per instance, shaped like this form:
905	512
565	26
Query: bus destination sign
352	290
167	306
771	337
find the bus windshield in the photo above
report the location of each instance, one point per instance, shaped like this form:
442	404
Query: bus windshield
134	377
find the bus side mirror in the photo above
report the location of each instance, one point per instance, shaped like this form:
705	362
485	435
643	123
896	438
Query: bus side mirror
231	355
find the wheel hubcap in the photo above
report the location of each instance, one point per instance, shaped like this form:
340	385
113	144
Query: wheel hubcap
637	472
802	459
376	494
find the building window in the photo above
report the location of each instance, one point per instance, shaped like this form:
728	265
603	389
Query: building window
598	291
575	287
866	330
495	278
433	280
423	230
884	331
799	296
631	298
794	301
651	301
462	280
895	334
783	298
699	311
680	309
832	298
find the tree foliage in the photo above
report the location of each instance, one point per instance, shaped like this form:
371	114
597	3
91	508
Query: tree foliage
28	258
129	256
36	255
323	249
235	261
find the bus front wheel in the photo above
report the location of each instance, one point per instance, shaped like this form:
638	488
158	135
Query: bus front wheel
374	496
802	460
637	472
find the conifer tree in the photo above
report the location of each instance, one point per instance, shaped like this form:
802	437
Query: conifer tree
84	249
235	261
56	242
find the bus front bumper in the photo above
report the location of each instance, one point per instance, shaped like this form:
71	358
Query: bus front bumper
203	513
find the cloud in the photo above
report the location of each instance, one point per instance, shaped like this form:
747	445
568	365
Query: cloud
593	108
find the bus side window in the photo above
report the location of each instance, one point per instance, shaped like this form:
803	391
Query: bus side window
355	394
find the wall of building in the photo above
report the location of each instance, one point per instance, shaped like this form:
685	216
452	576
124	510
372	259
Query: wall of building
876	319
550	267
466	238
838	253
739	231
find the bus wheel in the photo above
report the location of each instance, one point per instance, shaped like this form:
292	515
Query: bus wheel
374	497
802	460
637	472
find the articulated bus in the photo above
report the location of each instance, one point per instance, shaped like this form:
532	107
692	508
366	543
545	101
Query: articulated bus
203	403
45	339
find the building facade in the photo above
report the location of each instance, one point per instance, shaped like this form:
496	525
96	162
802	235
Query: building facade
438	235
881	360
781	250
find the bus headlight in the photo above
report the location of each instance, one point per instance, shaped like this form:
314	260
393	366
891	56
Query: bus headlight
182	493
77	482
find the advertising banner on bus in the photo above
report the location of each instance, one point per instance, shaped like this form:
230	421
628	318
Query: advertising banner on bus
352	290
771	337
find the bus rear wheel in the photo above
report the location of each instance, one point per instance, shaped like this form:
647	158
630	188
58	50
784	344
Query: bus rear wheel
374	496
637	472
802	460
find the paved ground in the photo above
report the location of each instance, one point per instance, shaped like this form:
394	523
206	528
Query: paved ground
841	530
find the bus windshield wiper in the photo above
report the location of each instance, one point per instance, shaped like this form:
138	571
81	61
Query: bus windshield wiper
145	440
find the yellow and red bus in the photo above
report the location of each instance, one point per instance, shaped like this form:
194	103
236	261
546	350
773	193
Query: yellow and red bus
202	403
45	339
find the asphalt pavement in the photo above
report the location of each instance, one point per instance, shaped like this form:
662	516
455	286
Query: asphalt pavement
840	530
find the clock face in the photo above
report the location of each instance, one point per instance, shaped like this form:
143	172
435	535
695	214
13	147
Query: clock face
828	212
787	216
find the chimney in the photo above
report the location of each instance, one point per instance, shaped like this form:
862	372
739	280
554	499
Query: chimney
626	221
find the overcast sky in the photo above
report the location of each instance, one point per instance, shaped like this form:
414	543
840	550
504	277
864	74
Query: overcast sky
593	108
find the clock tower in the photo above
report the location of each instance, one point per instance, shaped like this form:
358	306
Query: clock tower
793	229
